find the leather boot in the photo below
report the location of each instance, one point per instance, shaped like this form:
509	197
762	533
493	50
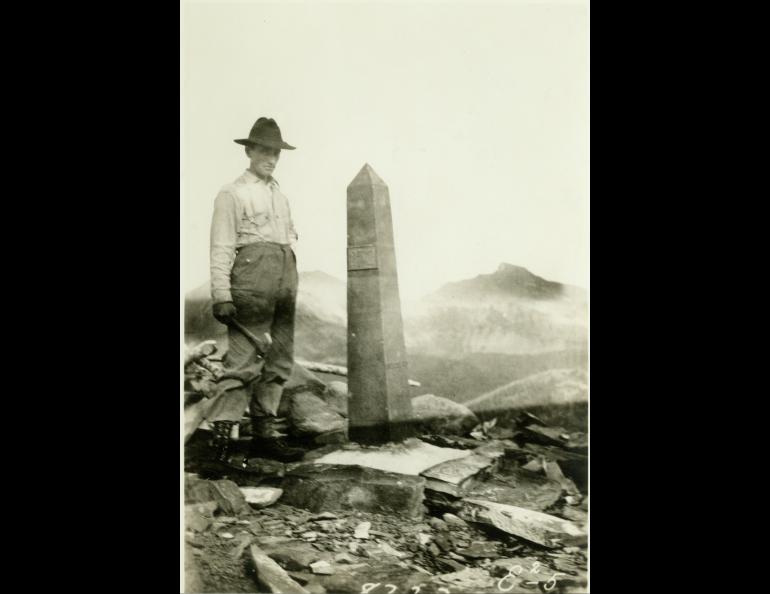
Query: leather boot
268	441
221	443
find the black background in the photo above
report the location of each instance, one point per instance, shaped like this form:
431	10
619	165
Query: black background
97	193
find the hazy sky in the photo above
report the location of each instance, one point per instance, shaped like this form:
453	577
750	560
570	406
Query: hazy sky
475	114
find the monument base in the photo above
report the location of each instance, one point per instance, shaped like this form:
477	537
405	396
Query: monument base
382	433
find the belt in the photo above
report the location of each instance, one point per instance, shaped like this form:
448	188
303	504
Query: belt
273	244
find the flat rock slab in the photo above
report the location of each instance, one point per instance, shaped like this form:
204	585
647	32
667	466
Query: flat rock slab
294	555
518	487
325	487
412	457
485	549
362	530
548	452
376	577
389	550
264	467
271	576
259	497
557	436
573	464
451	441
344	559
553	472
534	526
322	568
452	476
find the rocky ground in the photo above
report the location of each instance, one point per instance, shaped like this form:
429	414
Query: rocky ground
360	551
470	505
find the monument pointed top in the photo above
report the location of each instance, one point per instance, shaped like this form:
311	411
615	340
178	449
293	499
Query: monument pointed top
367	177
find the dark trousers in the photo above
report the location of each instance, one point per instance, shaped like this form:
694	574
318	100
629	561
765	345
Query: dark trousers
263	283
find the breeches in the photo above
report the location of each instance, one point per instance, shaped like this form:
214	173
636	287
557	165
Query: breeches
263	284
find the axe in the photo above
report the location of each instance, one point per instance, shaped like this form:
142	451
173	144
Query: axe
261	346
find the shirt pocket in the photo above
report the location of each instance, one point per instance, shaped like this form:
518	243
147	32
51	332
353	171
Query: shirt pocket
255	222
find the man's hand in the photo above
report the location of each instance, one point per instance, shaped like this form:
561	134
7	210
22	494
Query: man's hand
224	312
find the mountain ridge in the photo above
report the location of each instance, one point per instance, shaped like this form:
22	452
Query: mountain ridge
509	311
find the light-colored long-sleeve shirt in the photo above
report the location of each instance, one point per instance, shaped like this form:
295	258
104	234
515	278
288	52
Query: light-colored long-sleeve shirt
249	210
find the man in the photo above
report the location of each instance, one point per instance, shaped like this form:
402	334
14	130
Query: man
254	282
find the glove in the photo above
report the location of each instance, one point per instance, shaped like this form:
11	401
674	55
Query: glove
224	312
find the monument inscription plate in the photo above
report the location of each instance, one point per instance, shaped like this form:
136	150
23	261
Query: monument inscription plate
362	257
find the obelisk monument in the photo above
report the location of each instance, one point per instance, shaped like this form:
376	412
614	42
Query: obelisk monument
379	407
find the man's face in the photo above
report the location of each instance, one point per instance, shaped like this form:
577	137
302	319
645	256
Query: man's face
263	160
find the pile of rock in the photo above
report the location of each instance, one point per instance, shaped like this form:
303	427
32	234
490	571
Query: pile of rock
316	412
468	507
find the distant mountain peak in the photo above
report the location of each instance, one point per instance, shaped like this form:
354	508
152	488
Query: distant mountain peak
507	280
319	275
512	270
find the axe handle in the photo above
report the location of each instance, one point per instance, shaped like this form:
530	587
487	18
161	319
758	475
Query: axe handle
260	345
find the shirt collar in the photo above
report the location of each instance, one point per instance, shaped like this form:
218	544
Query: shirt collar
250	176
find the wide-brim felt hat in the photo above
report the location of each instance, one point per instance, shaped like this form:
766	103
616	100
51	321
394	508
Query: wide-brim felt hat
265	132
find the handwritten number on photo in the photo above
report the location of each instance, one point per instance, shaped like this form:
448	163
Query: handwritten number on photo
553	579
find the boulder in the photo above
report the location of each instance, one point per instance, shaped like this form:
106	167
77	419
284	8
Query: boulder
197	490
453	520
336	396
229	497
329	487
332	437
310	415
303	380
259	497
435	414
